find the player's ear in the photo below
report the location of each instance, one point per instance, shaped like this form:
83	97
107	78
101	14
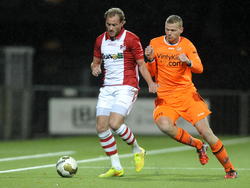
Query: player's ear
181	29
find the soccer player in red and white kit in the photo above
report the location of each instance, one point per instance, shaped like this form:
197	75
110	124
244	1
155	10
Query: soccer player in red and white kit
122	56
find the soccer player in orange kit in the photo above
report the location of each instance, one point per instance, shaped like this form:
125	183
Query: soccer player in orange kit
171	60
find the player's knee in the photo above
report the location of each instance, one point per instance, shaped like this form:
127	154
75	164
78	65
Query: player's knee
101	128
114	124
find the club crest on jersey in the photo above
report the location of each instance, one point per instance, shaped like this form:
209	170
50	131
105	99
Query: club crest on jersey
122	47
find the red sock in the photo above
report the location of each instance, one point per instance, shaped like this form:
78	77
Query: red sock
221	154
185	138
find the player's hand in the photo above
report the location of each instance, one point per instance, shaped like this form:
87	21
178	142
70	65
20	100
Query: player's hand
149	53
96	70
184	58
152	87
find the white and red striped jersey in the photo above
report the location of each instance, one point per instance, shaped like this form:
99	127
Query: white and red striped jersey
119	58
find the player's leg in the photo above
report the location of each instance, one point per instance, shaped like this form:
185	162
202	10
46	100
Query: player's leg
108	144
124	100
121	129
107	140
125	133
197	109
139	153
165	118
217	147
199	112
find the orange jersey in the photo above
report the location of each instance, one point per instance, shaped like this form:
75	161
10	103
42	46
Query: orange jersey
170	73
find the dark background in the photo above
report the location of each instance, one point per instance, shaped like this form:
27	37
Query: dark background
63	33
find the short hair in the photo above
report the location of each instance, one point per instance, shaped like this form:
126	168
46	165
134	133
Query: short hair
174	19
115	11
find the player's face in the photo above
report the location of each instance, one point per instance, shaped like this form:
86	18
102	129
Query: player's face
113	25
173	32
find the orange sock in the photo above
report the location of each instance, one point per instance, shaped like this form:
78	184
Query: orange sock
221	154
185	138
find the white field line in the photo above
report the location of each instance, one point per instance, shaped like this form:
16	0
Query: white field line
37	156
152	152
163	168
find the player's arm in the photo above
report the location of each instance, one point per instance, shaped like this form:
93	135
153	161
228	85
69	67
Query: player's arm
152	86
97	58
96	66
151	65
192	59
139	57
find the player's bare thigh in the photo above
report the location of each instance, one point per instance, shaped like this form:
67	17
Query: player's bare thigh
165	118
166	125
205	131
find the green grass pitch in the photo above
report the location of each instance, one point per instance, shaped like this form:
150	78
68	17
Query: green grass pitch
167	164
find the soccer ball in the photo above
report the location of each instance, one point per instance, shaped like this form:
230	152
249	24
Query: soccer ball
66	166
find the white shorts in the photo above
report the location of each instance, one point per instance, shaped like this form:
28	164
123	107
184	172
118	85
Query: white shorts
119	99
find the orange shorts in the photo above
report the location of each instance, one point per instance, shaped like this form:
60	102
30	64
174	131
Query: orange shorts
187	104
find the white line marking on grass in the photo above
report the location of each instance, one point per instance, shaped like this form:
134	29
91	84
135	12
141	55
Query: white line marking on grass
152	152
236	141
163	168
28	168
37	156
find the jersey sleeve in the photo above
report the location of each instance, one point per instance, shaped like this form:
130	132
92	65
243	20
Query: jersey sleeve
192	54
97	47
136	47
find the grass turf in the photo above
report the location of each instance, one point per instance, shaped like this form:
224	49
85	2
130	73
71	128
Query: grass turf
170	169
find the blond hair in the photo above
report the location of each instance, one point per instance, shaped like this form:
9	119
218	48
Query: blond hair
174	19
115	11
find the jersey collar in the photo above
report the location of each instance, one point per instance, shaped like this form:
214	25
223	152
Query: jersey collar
172	44
118	36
